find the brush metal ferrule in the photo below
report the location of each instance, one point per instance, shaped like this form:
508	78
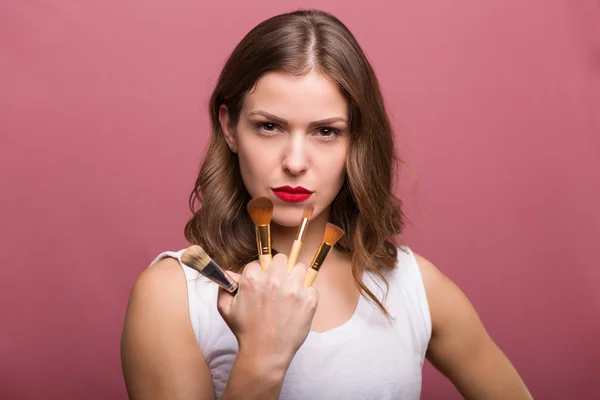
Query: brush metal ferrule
322	253
302	229
263	239
215	273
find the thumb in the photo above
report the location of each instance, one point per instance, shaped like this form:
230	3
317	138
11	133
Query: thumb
235	276
224	298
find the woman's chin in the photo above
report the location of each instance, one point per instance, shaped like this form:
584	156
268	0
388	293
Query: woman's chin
287	218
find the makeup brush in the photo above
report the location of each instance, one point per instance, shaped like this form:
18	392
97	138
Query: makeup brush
261	211
293	258
196	258
333	233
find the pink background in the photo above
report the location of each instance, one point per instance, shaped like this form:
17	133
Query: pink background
103	117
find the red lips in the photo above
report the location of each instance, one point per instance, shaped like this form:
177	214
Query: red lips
292	194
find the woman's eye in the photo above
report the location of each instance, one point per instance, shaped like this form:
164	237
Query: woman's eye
328	132
266	127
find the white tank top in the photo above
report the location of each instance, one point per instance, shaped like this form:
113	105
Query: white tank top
367	357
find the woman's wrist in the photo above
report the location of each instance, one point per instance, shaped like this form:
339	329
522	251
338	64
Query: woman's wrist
255	377
271	366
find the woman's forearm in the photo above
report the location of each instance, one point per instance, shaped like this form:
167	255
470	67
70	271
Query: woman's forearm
255	378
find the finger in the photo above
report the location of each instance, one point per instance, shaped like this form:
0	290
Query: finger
226	299
224	302
296	277
252	269
234	276
254	277
278	267
276	274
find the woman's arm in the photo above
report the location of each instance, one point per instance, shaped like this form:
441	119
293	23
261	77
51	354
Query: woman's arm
461	348
159	354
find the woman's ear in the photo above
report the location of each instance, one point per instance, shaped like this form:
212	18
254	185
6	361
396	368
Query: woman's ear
227	129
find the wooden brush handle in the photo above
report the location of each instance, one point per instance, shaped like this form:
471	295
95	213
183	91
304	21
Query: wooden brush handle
293	259
265	261
309	278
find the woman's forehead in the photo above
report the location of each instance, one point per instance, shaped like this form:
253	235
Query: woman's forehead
308	97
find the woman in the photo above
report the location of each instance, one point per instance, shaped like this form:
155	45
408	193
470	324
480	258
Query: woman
298	107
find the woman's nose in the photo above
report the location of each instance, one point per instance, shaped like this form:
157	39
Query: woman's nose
295	157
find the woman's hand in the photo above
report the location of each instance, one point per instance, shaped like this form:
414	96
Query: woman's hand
271	314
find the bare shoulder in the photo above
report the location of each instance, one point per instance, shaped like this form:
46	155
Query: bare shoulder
161	279
159	353
160	288
437	285
448	305
431	274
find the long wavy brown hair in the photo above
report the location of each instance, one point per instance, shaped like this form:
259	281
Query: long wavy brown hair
365	208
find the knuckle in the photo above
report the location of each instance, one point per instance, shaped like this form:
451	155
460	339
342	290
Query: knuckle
252	277
251	270
301	266
246	283
274	283
251	267
280	258
312	300
290	293
311	304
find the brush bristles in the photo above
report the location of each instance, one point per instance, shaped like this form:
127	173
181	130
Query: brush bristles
195	257
260	210
333	233
308	211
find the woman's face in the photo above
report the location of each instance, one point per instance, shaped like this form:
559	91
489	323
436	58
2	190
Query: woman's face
292	142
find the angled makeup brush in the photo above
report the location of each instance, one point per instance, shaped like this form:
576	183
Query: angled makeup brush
196	258
306	214
333	233
261	211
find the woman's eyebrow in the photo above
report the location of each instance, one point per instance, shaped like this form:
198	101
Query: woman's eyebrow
283	122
